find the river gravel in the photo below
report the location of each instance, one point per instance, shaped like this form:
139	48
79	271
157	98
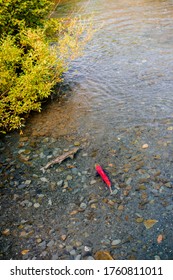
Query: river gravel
67	213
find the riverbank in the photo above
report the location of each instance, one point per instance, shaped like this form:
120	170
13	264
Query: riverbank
67	212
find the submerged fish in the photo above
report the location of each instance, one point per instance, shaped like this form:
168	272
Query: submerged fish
103	175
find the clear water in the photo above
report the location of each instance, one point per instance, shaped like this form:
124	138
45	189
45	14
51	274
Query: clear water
125	77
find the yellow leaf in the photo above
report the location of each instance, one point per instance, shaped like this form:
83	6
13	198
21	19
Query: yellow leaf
24	252
103	255
149	223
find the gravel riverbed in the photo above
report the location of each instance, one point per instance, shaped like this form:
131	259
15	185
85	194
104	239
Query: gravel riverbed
67	213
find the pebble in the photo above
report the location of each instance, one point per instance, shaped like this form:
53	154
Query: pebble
168	185
27	182
78	257
114	192
105	242
36	205
93	182
50	202
157	258
83	179
42	155
145	146
55	256
84	155
60	183
90	258
116	242
21	186
44	179
6	232
42	245
63	237
83	205
139	220
74	171
169	207
69	177
76	143
39	240
128	181
50	243
78	243
73	252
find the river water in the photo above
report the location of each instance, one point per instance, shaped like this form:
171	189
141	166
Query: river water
125	77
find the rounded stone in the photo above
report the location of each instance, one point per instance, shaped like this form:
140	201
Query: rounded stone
116	242
36	205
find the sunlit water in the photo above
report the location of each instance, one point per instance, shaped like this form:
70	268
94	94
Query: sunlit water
125	77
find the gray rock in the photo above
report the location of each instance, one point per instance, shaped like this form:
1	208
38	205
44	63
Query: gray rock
43	254
55	256
21	186
105	241
86	251
93	182
60	183
42	155
42	245
36	205
27	182
83	179
44	179
128	181
74	171
89	258
26	203
69	177
83	205
78	257
114	192
116	242
157	258
50	243
73	252
169	207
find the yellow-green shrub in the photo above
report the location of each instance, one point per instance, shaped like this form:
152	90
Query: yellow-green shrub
33	58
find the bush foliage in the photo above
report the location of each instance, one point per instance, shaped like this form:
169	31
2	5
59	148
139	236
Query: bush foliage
35	51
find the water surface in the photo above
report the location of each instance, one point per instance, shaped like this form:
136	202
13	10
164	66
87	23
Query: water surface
125	78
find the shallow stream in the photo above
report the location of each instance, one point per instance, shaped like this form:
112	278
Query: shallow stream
117	107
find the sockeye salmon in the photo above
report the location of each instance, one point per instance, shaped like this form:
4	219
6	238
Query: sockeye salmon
103	175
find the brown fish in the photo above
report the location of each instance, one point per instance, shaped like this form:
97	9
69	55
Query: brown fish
59	159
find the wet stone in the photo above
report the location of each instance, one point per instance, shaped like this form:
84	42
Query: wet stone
78	257
73	252
60	183
74	171
36	205
50	243
44	179
69	177
42	245
83	205
93	182
116	242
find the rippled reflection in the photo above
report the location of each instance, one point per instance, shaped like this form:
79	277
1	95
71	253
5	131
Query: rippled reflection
125	77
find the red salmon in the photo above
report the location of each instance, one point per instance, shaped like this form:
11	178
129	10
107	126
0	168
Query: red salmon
103	175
